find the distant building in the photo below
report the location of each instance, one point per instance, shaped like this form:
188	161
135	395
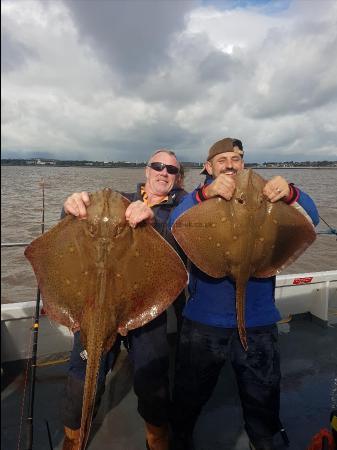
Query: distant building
45	163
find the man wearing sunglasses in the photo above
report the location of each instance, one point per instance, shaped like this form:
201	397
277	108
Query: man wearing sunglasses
148	348
209	330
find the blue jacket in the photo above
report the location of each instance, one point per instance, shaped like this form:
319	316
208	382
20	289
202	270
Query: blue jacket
212	300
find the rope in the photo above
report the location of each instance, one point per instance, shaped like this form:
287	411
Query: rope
52	363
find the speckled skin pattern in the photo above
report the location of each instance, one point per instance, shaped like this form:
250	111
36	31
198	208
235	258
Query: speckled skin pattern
105	276
245	237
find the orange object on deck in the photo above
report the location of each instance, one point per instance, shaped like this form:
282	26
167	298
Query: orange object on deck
323	440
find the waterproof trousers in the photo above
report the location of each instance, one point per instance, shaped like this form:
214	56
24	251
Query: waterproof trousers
149	352
202	352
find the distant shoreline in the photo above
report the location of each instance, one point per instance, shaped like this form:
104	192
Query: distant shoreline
294	167
141	166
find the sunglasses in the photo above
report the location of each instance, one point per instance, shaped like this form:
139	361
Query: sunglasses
159	166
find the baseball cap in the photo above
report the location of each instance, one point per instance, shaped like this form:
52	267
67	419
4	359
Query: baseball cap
223	146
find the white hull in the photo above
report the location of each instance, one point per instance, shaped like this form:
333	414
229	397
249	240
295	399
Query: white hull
295	294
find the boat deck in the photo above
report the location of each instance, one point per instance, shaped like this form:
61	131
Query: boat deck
309	392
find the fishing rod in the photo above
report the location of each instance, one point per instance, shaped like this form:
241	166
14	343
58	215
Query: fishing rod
34	349
329	231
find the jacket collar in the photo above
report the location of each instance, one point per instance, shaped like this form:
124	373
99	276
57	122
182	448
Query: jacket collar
173	196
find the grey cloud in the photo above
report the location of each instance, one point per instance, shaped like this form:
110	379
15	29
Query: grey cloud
148	82
292	95
19	154
131	36
144	139
218	67
293	137
173	87
304	73
194	67
14	54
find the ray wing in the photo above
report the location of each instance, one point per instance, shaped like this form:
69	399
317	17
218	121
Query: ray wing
105	276
221	237
143	273
149	275
205	233
285	234
64	265
245	237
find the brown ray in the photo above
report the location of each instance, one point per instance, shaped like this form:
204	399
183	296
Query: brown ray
105	276
245	237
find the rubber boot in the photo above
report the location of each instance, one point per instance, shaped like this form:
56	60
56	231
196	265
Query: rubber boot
71	439
264	444
157	438
182	441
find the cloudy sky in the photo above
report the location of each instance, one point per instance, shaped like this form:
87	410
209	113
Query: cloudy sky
113	80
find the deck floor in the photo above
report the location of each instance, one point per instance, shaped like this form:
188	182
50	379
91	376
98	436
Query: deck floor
309	391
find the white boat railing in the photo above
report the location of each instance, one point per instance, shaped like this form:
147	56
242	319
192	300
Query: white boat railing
295	294
307	293
299	294
14	244
17	320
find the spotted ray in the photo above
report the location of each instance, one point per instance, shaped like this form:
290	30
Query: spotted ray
105	276
245	237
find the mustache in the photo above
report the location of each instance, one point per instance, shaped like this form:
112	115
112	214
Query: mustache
229	169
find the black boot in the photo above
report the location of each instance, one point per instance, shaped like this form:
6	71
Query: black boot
182	441
262	444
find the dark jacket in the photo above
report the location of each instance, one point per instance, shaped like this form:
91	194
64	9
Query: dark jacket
162	210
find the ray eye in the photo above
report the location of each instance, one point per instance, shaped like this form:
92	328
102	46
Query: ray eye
119	230
241	199
116	230
93	228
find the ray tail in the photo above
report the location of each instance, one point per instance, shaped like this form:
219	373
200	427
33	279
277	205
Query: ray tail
94	350
240	313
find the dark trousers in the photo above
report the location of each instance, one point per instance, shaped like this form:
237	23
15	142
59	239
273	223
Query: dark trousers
202	352
149	351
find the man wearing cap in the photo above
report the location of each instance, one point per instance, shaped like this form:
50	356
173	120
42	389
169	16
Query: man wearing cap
209	331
